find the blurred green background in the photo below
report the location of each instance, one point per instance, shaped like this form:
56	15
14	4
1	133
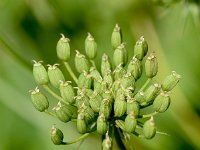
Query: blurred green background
30	29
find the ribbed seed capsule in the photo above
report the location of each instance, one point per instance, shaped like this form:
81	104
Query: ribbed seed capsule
101	124
105	65
55	75
135	68
120	105
149	129
151	66
130	122
89	115
63	112
161	103
120	55
132	106
39	100
81	63
56	136
116	37
40	73
63	48
116	86
119	72
141	48
80	99
108	78
105	108
90	46
140	97
95	101
67	92
171	81
95	74
81	124
84	80
107	143
128	81
108	95
152	92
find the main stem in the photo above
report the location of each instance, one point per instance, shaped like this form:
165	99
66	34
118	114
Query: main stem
145	84
69	69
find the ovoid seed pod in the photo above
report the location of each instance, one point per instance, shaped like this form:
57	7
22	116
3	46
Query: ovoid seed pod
63	48
55	75
108	95
140	97
161	103
89	115
107	143
130	122
171	81
151	66
151	92
119	72
120	55
135	68
79	100
132	106
40	73
116	86
141	48
67	92
90	46
108	78
116	37
56	136
149	129
101	124
120	106
127	81
39	100
95	74
84	80
105	108
105	65
63	112
81	63
95	101
81	124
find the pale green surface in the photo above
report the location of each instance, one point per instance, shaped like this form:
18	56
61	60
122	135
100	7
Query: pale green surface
31	29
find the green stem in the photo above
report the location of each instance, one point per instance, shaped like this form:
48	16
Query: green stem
149	115
50	113
84	136
69	69
145	84
93	63
48	89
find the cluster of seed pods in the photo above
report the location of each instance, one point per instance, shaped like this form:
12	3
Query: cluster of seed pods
105	98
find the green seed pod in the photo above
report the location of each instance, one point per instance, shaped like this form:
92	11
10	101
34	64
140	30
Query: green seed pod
161	103
55	75
171	81
80	99
56	136
90	47
63	48
108	95
95	101
120	55
135	68
89	115
140	97
39	100
95	74
130	122
120	105
105	65
116	37
127	81
116	86
141	48
107	143
151	66
84	80
132	106
108	78
152	92
120	124
101	124
81	124
119	72
105	108
40	73
67	92
81	63
63	112
149	129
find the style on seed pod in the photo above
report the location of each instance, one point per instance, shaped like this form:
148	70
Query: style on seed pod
116	37
90	46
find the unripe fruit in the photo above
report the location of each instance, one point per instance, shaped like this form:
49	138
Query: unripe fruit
56	136
101	124
130	122
149	129
67	92
152	92
116	37
151	66
81	63
81	124
141	48
105	65
135	68
90	47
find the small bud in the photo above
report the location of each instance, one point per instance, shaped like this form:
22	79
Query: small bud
101	124
107	143
171	81
105	65
95	101
141	48
135	68
149	129
120	55
81	63
152	92
116	37
127	81
130	122
40	73
55	75
63	112
63	48
67	92
151	66
161	103
84	80
56	136
39	100
81	124
90	47
120	107
132	106
140	97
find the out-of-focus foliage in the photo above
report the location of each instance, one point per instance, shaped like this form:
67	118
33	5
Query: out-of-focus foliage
29	29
